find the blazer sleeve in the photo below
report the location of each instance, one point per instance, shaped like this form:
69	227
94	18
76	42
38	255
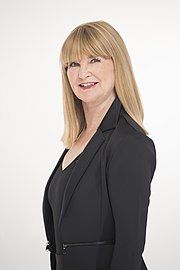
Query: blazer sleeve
129	175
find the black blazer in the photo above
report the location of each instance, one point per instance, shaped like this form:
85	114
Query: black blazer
102	224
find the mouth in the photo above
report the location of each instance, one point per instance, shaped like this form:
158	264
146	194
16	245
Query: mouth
85	86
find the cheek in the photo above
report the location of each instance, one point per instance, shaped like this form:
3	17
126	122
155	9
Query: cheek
110	75
71	77
107	76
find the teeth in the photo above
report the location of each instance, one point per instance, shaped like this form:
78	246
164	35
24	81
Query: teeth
87	84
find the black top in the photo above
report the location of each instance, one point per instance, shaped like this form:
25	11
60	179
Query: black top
56	191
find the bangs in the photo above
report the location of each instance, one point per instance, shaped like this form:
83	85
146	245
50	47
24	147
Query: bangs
83	41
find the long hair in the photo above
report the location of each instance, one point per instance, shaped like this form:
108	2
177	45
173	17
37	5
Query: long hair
97	38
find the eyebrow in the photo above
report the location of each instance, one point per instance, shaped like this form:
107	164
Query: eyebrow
89	57
71	61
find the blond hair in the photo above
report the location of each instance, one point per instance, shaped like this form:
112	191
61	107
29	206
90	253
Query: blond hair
97	38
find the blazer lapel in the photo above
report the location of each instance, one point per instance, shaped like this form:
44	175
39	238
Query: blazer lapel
81	166
108	122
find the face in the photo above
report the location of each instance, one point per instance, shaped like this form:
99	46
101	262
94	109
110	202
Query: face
96	70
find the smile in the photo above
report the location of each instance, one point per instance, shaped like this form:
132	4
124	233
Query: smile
88	85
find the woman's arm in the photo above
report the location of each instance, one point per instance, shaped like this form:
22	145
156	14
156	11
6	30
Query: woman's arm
129	176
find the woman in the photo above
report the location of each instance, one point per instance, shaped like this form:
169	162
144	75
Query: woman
96	200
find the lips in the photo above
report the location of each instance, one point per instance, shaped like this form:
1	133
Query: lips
85	86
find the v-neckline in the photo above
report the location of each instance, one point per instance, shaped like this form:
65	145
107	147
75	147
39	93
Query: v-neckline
84	149
69	163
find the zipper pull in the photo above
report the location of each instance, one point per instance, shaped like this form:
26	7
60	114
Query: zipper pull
64	249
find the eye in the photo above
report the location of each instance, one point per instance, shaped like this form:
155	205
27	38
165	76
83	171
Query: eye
97	60
71	64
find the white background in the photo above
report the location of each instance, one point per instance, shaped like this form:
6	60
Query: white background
31	35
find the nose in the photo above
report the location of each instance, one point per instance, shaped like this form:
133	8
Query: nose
84	71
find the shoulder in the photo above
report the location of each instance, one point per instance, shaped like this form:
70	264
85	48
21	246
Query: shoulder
131	144
129	134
